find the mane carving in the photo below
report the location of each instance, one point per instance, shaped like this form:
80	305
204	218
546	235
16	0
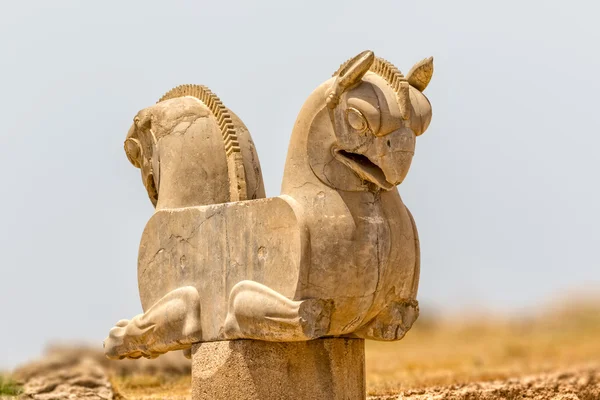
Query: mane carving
235	163
393	77
216	107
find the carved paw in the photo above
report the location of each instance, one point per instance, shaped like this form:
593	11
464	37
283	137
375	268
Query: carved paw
392	323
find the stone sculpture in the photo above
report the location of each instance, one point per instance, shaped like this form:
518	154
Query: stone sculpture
336	255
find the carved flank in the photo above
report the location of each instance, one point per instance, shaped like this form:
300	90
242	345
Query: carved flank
235	163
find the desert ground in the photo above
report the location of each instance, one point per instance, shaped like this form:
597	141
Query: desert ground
553	354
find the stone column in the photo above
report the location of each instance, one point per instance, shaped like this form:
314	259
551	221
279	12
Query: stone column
331	369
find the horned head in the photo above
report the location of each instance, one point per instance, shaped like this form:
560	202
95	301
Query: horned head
377	113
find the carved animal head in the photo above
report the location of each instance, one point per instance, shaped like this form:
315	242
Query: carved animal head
193	150
140	147
377	113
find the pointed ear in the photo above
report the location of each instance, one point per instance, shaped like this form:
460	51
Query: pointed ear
350	74
420	74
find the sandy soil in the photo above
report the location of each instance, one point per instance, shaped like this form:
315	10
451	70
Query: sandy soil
577	383
549	355
446	352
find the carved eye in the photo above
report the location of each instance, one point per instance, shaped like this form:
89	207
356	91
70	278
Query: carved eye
356	120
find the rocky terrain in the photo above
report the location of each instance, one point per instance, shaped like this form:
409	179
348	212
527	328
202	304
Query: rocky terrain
61	376
580	383
550	355
84	373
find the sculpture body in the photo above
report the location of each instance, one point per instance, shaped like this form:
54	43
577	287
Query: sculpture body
335	255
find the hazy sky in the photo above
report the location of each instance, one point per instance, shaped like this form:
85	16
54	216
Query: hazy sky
504	186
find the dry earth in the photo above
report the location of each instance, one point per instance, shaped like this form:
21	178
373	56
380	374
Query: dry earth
446	352
554	355
577	383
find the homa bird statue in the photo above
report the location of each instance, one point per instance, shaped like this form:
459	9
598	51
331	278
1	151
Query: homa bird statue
335	255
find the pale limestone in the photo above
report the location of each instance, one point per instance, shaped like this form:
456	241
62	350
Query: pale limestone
332	369
335	255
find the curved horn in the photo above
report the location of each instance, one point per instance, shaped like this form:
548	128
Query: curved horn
349	75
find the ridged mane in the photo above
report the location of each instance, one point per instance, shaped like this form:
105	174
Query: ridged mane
394	78
235	162
385	69
216	107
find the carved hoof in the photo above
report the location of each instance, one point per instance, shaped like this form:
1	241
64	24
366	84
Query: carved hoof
114	343
315	317
117	346
392	323
173	323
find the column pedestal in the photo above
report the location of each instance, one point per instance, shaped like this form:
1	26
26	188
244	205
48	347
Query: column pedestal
322	369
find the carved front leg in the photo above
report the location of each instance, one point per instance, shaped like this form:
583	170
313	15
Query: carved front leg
258	312
392	322
173	323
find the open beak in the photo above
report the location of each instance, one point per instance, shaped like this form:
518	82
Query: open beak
386	161
364	168
394	165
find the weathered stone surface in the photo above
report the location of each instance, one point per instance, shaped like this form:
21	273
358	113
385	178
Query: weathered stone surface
331	369
213	248
193	150
337	254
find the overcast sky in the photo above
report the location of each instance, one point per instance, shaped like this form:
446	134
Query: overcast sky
504	185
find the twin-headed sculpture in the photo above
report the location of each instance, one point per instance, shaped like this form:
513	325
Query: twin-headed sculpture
335	255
